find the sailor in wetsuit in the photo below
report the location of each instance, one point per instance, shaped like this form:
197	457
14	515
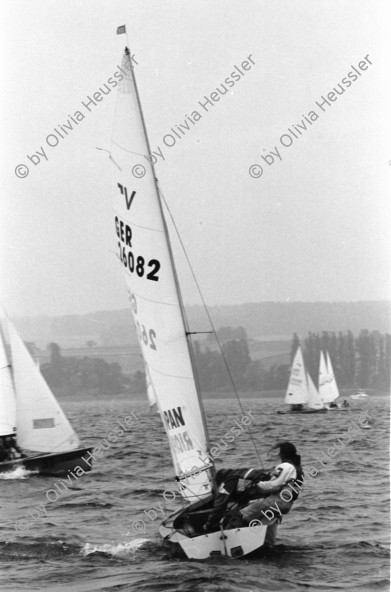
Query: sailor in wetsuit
280	490
297	407
9	450
232	485
3	452
248	485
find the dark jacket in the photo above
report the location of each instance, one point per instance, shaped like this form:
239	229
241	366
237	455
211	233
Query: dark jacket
236	485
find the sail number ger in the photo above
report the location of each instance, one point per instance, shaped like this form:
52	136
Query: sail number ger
135	264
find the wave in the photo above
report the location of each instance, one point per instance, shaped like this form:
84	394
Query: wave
18	473
116	550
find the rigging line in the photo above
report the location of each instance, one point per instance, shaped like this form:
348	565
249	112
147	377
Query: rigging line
210	320
163	472
149	382
196	495
162	425
177	478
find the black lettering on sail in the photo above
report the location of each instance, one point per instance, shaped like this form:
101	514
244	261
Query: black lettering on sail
124	191
178	416
181	442
174	418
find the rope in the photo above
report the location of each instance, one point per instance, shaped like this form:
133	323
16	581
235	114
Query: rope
210	320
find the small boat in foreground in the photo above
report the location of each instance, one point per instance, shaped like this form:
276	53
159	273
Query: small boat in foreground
31	420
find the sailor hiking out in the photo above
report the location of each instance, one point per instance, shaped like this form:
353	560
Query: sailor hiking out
257	495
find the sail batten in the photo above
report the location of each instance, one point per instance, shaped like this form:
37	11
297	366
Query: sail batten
149	228
148	264
170	375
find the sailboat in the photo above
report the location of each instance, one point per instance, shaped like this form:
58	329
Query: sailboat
301	389
146	256
328	388
31	417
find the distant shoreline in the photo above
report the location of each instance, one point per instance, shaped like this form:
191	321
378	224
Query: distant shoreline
278	395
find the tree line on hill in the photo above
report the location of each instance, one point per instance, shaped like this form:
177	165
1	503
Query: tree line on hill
66	375
358	362
362	361
215	369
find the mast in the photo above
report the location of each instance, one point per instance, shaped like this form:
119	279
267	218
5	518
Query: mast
172	261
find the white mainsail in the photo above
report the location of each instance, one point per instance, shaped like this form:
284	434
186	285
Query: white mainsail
297	391
7	393
326	379
333	383
314	400
145	253
41	423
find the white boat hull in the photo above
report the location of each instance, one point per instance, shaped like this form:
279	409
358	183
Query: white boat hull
233	543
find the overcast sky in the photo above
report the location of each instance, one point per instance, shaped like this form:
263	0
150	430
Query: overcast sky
314	226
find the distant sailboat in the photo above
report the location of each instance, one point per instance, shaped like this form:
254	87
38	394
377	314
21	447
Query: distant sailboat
301	389
146	256
314	400
30	414
328	388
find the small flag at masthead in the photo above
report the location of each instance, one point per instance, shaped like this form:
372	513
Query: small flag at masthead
121	30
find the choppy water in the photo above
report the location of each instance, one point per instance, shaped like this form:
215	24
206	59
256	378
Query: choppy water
101	535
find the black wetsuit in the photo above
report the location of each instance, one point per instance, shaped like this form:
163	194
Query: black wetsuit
236	485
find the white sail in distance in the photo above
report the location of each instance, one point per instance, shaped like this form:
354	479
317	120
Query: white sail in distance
144	253
333	383
297	391
41	423
314	400
7	392
326	390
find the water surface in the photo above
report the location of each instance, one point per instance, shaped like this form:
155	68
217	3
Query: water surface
101	531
